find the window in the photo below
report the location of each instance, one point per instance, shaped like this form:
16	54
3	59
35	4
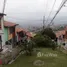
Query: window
63	36
21	34
12	29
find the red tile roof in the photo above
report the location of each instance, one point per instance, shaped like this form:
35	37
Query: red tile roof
59	33
65	28
9	24
62	32
20	29
28	34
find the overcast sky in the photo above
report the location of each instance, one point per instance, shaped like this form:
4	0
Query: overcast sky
31	12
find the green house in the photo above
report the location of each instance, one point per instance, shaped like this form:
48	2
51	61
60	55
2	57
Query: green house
9	31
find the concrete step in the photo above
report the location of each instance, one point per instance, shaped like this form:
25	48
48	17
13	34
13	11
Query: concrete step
6	48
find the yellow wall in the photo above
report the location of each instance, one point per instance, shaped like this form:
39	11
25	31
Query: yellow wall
10	36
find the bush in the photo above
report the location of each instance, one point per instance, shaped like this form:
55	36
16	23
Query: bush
42	41
54	45
49	32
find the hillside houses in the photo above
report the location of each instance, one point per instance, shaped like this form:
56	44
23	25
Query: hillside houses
62	35
10	33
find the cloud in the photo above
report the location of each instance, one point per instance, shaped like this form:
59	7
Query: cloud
31	10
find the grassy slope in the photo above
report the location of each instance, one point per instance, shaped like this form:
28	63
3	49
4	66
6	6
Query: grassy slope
27	61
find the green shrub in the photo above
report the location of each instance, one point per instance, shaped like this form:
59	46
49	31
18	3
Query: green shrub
49	32
54	45
42	41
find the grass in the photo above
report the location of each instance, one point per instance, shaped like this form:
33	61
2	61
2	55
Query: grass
27	61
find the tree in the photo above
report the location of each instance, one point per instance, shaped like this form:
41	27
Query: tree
42	41
49	32
54	45
28	46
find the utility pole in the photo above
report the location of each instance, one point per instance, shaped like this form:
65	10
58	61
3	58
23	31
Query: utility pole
2	26
4	3
43	22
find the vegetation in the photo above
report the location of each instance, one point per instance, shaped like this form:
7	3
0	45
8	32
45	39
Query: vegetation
54	45
28	47
43	41
27	61
49	32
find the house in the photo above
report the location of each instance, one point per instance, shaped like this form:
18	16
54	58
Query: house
14	34
20	34
9	32
62	35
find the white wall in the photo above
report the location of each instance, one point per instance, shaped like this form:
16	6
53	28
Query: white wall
2	32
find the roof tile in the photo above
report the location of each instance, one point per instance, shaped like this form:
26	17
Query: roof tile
9	24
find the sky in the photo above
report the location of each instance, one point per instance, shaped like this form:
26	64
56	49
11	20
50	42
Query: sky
30	12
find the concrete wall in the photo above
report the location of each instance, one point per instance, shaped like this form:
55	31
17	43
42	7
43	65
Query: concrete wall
2	32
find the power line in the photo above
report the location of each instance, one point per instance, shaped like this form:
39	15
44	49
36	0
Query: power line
59	6
51	10
62	4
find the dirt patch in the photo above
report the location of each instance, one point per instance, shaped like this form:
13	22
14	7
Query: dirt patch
38	63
